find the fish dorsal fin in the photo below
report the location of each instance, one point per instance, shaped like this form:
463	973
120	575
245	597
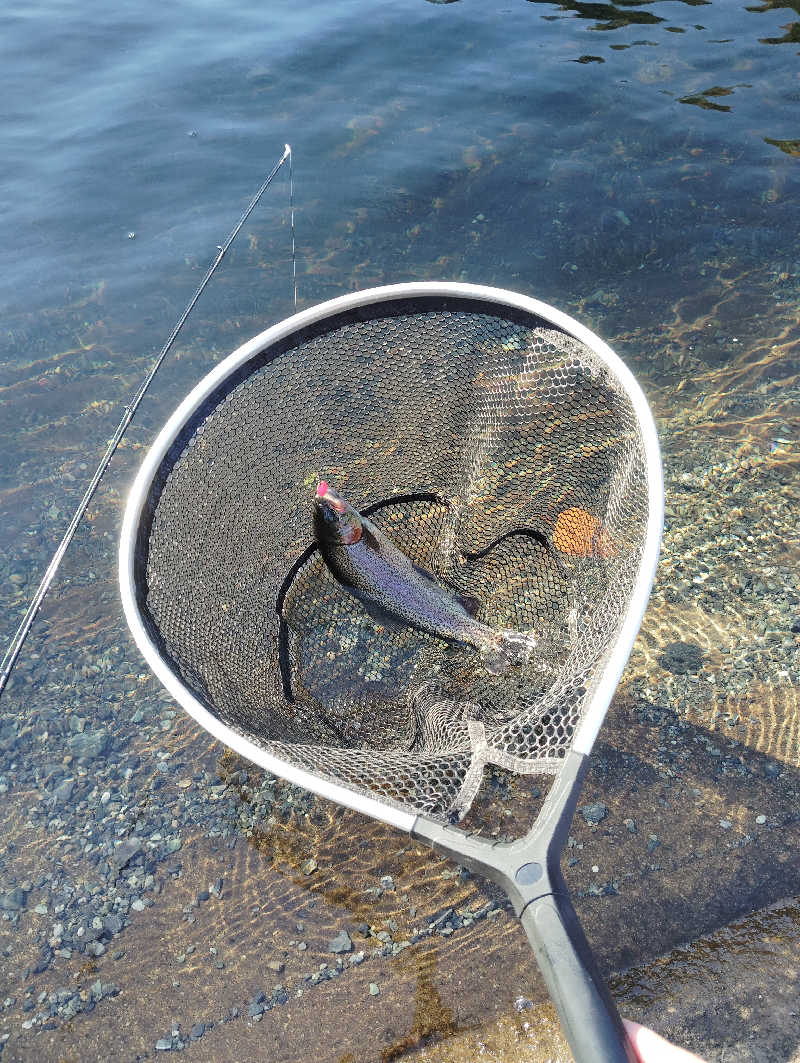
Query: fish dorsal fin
468	602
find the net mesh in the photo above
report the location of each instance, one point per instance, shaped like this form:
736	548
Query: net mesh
493	449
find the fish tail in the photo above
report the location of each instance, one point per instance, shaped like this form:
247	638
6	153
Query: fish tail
509	649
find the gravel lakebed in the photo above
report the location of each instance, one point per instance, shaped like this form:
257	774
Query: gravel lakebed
158	894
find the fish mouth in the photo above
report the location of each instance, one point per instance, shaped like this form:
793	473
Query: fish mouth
326	495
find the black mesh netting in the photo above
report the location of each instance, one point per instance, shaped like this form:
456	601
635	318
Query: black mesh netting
494	449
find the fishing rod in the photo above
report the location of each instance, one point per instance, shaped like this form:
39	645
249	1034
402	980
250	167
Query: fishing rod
21	634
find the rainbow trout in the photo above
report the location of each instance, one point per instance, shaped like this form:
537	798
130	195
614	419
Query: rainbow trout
385	581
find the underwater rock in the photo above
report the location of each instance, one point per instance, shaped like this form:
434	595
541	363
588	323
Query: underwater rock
341	943
125	852
681	657
594	813
86	745
13	900
63	792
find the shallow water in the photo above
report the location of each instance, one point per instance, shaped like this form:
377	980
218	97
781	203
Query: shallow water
635	165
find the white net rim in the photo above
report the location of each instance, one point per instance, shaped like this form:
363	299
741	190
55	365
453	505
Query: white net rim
606	682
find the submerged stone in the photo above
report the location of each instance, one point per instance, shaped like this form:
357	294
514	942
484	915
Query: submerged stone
594	813
13	900
681	657
125	852
87	745
341	943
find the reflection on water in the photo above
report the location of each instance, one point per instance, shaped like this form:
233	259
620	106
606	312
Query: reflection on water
654	196
609	16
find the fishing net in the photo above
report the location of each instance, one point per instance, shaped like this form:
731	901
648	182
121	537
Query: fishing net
494	449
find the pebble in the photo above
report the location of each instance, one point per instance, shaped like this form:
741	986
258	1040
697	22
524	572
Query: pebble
88	745
113	924
46	958
373	989
63	792
341	943
14	900
309	867
124	853
761	819
594	813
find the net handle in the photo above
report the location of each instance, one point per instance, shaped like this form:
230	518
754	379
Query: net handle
589	1017
529	870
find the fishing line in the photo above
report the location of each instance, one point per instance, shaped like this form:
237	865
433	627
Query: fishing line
291	224
21	634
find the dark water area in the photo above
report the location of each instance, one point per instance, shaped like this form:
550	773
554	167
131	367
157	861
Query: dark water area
634	164
595	140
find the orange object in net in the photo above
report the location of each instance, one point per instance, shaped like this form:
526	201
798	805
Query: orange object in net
580	534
